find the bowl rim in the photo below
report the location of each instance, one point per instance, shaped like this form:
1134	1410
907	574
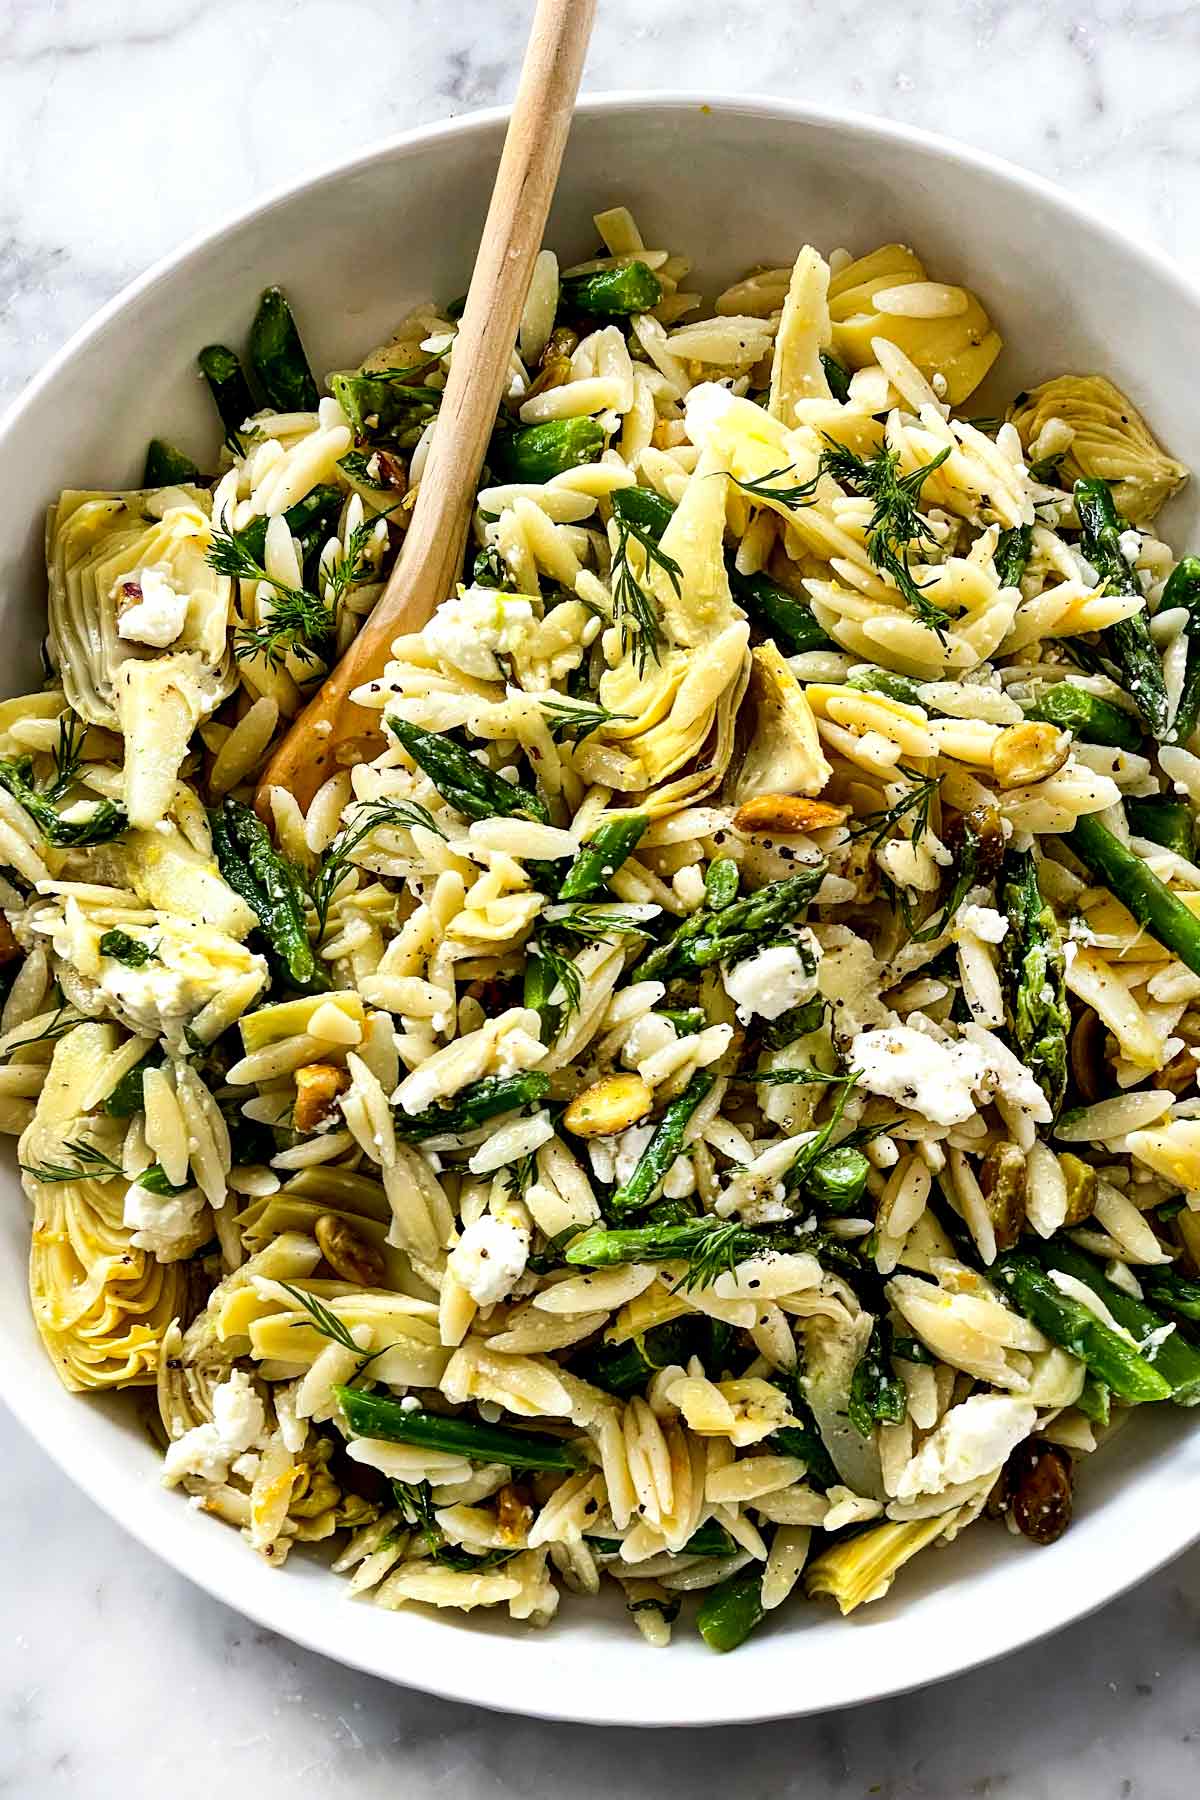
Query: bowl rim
448	1678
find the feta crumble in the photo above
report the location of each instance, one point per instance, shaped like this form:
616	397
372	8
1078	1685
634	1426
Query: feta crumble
164	1224
489	1259
158	617
206	1451
774	980
974	1438
470	630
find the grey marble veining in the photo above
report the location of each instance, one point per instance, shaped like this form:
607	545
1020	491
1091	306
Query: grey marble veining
126	125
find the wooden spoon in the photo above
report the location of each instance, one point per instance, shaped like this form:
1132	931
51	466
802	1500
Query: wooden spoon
332	732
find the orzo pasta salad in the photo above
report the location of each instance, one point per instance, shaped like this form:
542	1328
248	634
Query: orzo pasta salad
707	1100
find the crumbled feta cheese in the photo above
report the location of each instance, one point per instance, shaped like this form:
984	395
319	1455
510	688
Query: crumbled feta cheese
904	1064
974	1438
469	630
982	922
164	1224
774	980
158	617
489	1258
1130	544
206	1451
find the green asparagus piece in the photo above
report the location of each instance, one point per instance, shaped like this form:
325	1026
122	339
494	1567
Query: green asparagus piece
799	1021
277	356
1095	1402
379	1416
730	1612
1164	821
1127	877
1173	1292
166	466
539	452
1012	553
709	1539
805	1441
837	1180
1076	1328
911	1349
603	1246
633	288
1094	720
644	508
721	884
105	821
1033	969
687	1020
882	681
1183	589
626	1368
127	1097
600	858
230	390
739	929
471	789
312	520
800	1175
876	1396
1175	1360
1129	642
837	375
784	616
663	1148
377	405
474	1106
271	887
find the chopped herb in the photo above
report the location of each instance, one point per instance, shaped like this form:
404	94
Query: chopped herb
896	527
634	610
571	721
335	864
128	950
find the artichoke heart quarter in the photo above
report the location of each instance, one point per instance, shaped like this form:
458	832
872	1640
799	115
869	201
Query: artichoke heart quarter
98	545
1110	441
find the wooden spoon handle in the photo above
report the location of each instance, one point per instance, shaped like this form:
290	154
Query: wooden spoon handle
431	556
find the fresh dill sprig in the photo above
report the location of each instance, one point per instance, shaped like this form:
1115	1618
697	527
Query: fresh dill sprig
335	864
519	1175
634	611
800	493
918	802
91	1161
300	622
418	1509
896	527
584	919
562	975
785	1077
571	721
68	755
328	1324
356	563
717	1251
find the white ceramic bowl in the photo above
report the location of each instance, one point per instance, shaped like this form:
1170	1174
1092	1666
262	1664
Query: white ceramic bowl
729	183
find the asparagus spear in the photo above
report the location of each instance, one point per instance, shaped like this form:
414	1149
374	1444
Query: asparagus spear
1174	1359
875	1393
1033	968
721	884
603	1246
1164	821
540	451
709	1539
837	1180
663	1148
102	824
633	288
379	1416
882	681
1129	642
799	1021
127	1097
271	887
644	508
601	857
312	520
687	1020
1077	1329
730	1611
1183	589
166	466
626	1368
471	789
708	937
1012	553
1089	717
375	404
1149	900
277	356
230	390
786	617
474	1105
837	376
1173	1292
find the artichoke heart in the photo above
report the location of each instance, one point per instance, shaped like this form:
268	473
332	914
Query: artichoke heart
98	548
863	1568
1111	441
960	346
784	754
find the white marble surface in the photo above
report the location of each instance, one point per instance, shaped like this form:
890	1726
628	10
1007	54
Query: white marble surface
126	125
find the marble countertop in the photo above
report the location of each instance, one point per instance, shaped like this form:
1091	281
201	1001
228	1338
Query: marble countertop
116	1675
